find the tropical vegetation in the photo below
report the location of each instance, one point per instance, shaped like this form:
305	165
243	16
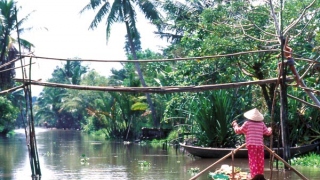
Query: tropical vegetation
197	31
9	50
311	159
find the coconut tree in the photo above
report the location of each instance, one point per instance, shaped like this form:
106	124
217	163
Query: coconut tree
8	25
123	11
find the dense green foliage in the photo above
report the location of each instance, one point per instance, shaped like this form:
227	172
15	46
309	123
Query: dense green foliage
9	50
197	30
8	42
311	160
8	115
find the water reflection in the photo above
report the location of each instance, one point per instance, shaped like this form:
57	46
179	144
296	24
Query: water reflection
61	151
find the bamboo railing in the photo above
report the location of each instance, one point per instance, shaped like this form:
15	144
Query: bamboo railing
164	89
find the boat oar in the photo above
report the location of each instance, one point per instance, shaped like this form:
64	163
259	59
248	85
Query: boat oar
223	158
285	163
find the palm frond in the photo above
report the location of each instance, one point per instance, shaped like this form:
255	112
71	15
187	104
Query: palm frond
104	9
92	5
115	15
139	106
150	11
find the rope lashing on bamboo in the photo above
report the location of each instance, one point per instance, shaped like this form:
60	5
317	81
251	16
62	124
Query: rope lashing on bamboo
223	158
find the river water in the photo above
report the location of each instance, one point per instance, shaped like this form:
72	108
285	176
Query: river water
61	151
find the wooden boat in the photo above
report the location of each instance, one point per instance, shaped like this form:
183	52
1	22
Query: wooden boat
209	152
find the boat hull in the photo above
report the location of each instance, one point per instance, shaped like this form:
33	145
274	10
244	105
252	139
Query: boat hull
208	152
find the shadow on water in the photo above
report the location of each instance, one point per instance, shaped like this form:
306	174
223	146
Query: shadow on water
69	154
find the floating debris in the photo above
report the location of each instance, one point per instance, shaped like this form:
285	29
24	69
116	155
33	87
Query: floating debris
194	170
144	163
84	160
225	173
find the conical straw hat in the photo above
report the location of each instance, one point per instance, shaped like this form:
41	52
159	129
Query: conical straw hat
253	115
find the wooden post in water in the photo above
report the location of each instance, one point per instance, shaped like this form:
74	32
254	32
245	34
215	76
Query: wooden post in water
29	127
284	104
34	158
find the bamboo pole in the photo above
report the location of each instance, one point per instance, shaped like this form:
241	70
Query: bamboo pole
285	163
272	116
303	101
11	90
302	84
232	164
223	158
284	100
17	67
165	89
157	60
311	90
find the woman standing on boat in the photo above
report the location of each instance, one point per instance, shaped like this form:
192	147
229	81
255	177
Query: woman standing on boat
254	129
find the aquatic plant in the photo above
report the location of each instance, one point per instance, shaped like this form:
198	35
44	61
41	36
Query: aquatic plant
47	153
311	159
84	160
194	170
278	164
143	143
144	163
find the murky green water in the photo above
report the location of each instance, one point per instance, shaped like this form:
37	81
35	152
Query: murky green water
60	153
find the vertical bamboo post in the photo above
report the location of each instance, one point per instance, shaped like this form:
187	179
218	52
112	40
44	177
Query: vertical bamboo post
232	164
36	156
283	91
284	104
31	139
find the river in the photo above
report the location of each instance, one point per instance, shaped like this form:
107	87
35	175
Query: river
63	153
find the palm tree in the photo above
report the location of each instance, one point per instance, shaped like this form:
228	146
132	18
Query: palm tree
124	11
9	24
49	105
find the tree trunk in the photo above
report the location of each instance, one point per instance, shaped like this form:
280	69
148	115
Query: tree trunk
284	110
137	65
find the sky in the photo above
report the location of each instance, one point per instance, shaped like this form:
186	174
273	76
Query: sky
68	36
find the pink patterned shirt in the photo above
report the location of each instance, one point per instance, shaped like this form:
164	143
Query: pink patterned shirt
253	132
